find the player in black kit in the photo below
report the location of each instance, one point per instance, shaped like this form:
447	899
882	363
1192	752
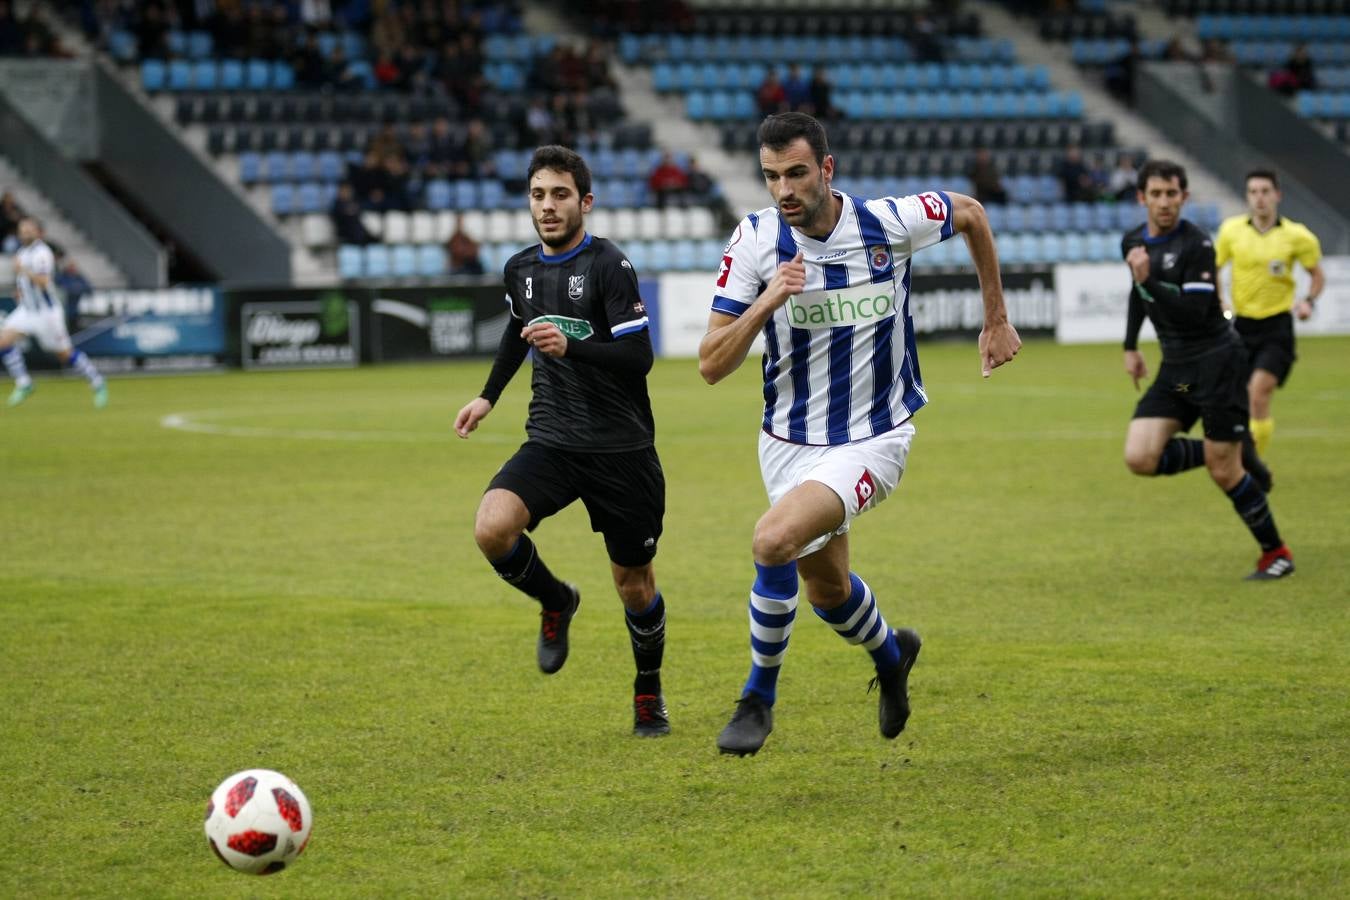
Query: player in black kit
1203	370
574	299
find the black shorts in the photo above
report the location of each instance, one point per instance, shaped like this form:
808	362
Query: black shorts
1213	388
1269	343
625	493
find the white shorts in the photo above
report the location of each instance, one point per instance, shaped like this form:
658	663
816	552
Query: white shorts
862	473
47	326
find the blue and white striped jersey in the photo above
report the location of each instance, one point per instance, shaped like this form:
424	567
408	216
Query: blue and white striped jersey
839	360
36	258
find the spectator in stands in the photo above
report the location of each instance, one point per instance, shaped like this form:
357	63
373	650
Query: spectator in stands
1120	185
397	183
478	150
1213	50
10	214
386	142
72	282
229	31
1296	74
985	177
927	40
463	251
1073	173
341	73
539	125
546	72
796	89
368	179
771	97
701	186
597	67
387	72
442	149
152	31
1119	74
822	95
417	146
667	180
308	64
346	215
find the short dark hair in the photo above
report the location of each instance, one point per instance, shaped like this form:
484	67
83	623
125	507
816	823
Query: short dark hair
1268	174
1160	168
561	159
781	129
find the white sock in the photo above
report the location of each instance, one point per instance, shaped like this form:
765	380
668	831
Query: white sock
85	366
15	366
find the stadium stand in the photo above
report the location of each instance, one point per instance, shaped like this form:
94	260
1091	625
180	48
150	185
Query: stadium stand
426	111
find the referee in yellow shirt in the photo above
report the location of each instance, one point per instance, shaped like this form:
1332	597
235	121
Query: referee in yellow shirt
1263	247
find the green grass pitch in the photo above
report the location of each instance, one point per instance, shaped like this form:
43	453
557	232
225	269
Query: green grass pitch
277	570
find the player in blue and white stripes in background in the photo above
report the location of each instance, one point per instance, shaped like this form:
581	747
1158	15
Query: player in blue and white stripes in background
825	277
40	315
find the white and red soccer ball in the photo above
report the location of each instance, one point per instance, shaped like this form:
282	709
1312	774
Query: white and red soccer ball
258	821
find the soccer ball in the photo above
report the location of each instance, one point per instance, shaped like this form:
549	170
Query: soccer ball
258	821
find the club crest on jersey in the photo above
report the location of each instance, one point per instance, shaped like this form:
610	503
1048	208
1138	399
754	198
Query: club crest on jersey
866	488
724	271
575	284
1169	260
881	256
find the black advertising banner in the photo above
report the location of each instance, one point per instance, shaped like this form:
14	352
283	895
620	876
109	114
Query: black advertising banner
436	323
951	304
321	331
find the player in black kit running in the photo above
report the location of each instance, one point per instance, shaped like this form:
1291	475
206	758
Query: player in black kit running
574	299
1203	370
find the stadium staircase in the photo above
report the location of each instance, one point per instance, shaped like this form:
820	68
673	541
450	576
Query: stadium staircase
95	266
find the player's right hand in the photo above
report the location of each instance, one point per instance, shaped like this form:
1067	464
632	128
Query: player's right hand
1135	366
473	412
790	279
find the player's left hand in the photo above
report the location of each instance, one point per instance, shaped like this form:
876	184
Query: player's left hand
546	338
1303	309
999	343
1139	264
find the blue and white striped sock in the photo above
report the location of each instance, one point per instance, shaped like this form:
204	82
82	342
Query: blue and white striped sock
85	366
859	621
14	365
773	607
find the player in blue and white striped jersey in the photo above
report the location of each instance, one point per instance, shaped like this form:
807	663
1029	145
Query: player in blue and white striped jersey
825	278
40	315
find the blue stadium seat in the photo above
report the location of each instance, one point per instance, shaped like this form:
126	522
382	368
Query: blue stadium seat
350	261
431	261
491	194
277	166
199	44
283	76
377	264
250	168
231	75
180	75
257	75
304	166
331	167
466	194
438	194
122	46
154	76
309	198
1103	215
283	199
176	42
404	261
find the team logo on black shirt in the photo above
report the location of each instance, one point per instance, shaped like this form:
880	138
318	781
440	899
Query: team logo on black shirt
575	283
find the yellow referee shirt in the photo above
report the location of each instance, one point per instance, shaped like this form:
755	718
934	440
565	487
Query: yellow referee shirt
1263	264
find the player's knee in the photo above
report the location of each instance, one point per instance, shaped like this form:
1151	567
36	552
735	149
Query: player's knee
1140	461
1226	471
494	536
773	544
635	591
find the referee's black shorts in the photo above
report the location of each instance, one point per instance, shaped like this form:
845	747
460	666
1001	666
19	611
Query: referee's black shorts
1269	343
1212	388
624	493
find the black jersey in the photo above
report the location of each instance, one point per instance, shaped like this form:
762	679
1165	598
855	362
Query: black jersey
1179	296
591	294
